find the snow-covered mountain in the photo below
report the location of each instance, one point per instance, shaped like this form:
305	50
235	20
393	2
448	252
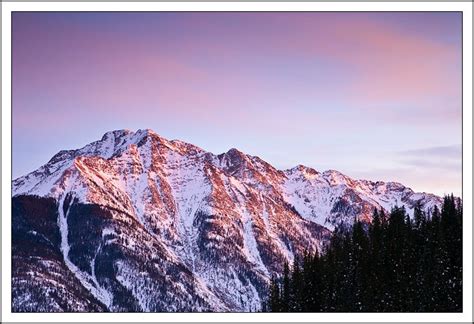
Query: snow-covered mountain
136	222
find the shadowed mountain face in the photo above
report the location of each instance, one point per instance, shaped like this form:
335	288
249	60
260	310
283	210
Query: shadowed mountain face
136	222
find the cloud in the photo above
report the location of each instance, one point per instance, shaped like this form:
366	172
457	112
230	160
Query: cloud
434	169
445	165
444	158
449	152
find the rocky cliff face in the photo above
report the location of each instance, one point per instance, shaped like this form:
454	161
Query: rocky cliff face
136	222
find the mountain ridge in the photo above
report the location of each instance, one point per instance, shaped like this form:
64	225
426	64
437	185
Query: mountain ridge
132	206
143	133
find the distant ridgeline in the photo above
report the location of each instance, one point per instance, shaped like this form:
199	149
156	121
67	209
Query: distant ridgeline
395	264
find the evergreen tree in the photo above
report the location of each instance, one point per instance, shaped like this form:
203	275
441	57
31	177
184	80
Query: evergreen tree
296	287
394	264
274	303
285	302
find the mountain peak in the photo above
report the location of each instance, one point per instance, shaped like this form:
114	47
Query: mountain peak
119	133
304	169
147	132
142	151
335	177
235	152
130	135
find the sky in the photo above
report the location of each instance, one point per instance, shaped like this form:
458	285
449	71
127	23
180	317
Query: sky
376	96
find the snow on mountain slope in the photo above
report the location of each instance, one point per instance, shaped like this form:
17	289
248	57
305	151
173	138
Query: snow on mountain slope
142	218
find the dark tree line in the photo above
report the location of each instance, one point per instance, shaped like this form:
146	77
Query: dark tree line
394	264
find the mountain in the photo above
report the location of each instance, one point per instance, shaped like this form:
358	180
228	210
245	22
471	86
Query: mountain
136	222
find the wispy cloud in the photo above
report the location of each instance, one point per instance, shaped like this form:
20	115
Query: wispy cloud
448	152
447	158
449	165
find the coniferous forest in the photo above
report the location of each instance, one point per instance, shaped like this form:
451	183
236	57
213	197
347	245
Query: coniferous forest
394	264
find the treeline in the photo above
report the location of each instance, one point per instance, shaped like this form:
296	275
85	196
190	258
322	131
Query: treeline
394	264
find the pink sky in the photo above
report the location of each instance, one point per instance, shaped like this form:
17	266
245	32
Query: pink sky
346	91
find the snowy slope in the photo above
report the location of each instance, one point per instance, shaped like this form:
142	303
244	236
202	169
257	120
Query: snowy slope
224	223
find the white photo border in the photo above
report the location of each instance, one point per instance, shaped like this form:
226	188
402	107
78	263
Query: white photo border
9	7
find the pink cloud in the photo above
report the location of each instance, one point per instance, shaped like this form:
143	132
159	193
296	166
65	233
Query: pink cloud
384	64
389	65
